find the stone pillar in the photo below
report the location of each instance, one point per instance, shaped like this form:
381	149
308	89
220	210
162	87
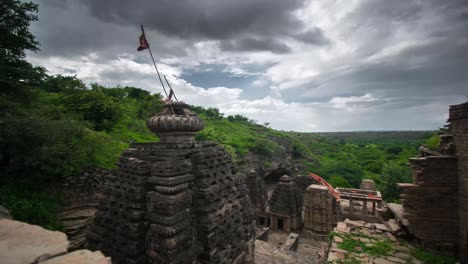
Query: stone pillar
171	236
319	209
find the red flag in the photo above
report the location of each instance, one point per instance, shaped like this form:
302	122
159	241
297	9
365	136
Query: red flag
143	43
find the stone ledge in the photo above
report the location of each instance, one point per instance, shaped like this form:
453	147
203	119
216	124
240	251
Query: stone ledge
22	243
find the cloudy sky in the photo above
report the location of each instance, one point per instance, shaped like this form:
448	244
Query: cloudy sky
319	65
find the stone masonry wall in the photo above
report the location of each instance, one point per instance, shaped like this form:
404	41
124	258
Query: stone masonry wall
429	204
459	126
319	209
175	203
81	196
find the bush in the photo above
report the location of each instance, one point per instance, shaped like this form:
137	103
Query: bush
393	173
264	147
338	181
94	106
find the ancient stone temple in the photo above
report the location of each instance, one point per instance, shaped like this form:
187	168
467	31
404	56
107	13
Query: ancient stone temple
285	206
258	197
175	201
321	210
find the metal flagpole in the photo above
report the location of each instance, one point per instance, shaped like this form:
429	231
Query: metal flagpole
154	63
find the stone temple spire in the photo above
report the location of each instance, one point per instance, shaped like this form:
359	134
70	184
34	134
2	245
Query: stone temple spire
175	201
285	205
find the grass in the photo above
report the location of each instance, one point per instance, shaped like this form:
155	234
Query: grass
379	248
430	258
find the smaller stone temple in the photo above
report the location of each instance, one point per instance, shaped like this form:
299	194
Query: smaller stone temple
174	201
285	206
321	210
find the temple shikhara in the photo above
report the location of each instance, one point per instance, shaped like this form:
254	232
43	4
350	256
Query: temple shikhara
175	201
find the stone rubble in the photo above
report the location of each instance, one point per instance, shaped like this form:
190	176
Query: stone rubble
360	241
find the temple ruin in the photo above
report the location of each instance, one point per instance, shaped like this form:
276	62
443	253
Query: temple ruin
435	205
175	201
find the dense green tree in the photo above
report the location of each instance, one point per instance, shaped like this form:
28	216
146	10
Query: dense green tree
338	181
393	173
17	76
344	168
94	106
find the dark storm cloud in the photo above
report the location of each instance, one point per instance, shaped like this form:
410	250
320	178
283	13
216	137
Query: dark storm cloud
313	36
432	65
67	29
187	21
213	19
255	44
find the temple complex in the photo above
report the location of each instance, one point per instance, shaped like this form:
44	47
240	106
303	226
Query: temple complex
175	201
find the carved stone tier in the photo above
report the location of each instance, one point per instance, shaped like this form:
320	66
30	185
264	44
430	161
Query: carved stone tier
176	123
174	202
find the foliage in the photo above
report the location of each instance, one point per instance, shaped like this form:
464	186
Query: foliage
94	106
338	181
380	248
376	249
16	74
433	142
264	147
429	258
392	173
31	204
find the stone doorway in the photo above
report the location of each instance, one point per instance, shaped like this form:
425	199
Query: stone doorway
279	224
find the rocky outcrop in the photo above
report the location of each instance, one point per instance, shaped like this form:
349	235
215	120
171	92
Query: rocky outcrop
81	195
4	213
21	243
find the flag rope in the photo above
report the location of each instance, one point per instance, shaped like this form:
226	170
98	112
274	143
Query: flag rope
154	63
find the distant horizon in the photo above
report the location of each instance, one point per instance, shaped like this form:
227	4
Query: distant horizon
299	65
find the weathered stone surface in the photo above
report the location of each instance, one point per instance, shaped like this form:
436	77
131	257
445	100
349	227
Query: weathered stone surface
4	213
367	184
458	119
265	253
176	201
24	243
320	209
81	196
80	257
440	180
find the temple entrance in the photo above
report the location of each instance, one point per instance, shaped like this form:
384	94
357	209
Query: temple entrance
261	221
280	224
